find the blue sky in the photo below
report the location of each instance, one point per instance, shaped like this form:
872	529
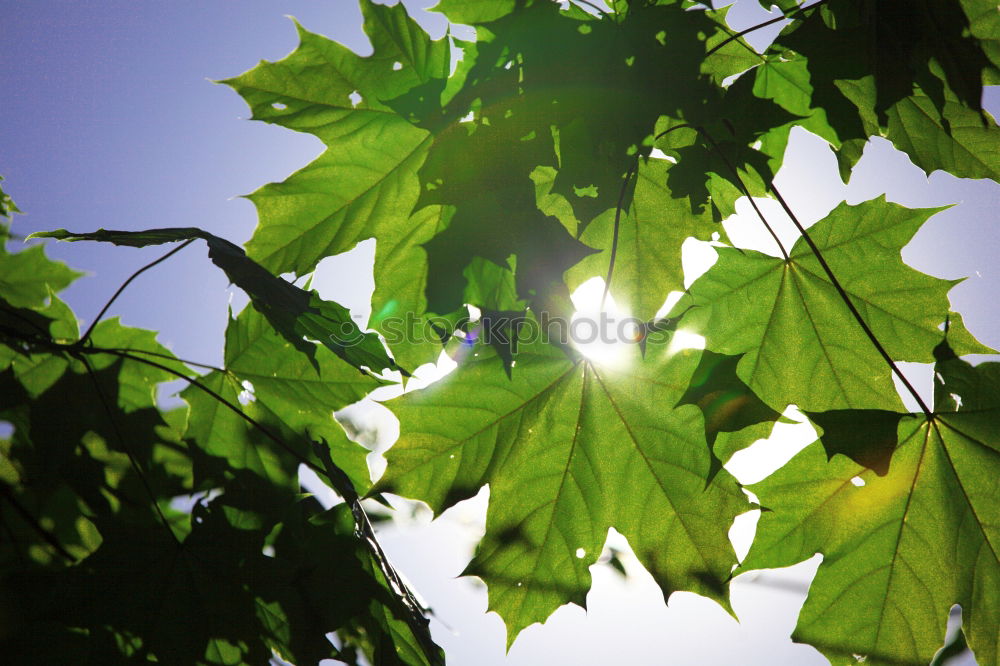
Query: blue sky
110	120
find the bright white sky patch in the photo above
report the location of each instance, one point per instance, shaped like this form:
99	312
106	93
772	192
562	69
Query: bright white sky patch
601	338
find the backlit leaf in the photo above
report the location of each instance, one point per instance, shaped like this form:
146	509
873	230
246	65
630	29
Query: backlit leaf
900	549
798	336
569	449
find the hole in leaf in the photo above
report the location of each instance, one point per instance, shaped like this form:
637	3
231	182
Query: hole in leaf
396	66
355	98
858	481
584	29
246	396
580	553
589	191
279	106
660	155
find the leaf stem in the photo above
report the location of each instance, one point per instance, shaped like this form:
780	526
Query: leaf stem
736	175
127	449
739	34
160	355
90	329
239	412
744	189
850	305
614	236
414	614
597	9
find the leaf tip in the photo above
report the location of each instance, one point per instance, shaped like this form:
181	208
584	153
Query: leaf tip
59	234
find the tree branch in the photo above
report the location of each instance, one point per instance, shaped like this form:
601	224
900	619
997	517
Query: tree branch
90	329
739	34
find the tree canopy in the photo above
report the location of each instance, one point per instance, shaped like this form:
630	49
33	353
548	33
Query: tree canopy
567	142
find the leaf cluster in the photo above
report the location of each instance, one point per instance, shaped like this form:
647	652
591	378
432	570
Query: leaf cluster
564	144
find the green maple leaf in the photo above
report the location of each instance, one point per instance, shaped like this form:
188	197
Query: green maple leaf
786	81
137	380
26	277
29	308
526	116
294	397
902	548
719	160
473	12
799	341
69	469
936	135
730	58
727	403
984	25
318	579
569	449
34	365
329	206
912	72
399	302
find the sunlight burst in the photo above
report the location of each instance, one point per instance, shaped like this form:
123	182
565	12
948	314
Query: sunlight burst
604	338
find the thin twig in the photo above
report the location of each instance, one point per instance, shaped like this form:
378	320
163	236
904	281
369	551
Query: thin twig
618	211
592	6
239	412
159	355
850	305
127	449
47	536
90	329
614	236
341	483
744	189
783	17
415	618
338	479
